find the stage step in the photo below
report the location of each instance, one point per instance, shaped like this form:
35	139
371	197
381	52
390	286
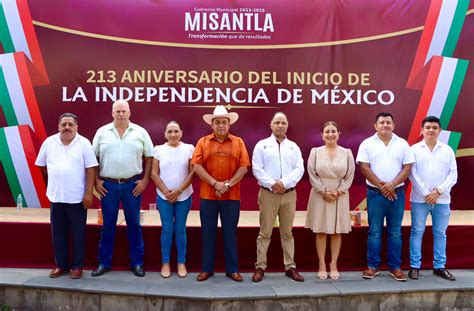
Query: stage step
32	289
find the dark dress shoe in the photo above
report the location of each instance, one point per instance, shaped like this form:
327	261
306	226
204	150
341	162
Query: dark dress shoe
258	275
204	276
101	269
444	274
57	272
414	273
235	276
138	271
76	273
294	275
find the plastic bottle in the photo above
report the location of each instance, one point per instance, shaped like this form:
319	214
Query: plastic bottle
100	220
142	216
19	203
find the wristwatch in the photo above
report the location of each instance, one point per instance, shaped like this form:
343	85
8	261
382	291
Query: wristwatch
440	191
227	184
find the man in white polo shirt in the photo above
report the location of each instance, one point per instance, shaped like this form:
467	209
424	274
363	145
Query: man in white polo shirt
121	147
433	175
385	160
69	161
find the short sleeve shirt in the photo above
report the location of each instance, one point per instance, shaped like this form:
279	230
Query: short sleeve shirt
174	167
221	160
66	167
121	157
385	161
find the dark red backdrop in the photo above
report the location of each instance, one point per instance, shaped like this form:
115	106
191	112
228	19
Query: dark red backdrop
68	57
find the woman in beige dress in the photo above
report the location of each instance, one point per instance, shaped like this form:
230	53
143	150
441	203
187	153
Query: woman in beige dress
331	171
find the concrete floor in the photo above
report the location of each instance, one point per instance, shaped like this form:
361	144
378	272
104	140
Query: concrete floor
120	290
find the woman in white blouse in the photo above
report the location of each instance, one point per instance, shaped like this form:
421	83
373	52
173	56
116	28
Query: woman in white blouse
172	174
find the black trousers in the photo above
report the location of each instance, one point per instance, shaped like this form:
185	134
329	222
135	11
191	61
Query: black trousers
68	218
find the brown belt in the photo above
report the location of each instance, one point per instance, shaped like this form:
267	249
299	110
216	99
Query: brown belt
287	190
120	180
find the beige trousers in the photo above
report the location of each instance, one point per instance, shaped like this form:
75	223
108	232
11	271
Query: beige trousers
271	205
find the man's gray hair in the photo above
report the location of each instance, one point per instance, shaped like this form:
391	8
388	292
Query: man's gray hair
67	115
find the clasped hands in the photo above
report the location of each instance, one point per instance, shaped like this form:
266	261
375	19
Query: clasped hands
172	195
278	187
388	190
432	197
220	188
331	196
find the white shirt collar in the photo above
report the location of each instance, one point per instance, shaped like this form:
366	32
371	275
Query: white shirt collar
394	137
438	144
57	137
111	126
284	138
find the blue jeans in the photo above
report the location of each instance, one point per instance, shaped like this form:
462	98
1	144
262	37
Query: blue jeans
440	218
229	211
378	208
117	193
173	220
68	218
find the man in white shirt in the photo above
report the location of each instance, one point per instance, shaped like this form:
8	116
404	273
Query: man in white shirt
69	161
385	160
433	175
278	166
120	147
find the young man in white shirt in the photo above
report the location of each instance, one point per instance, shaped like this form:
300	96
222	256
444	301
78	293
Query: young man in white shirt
69	161
433	175
385	160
